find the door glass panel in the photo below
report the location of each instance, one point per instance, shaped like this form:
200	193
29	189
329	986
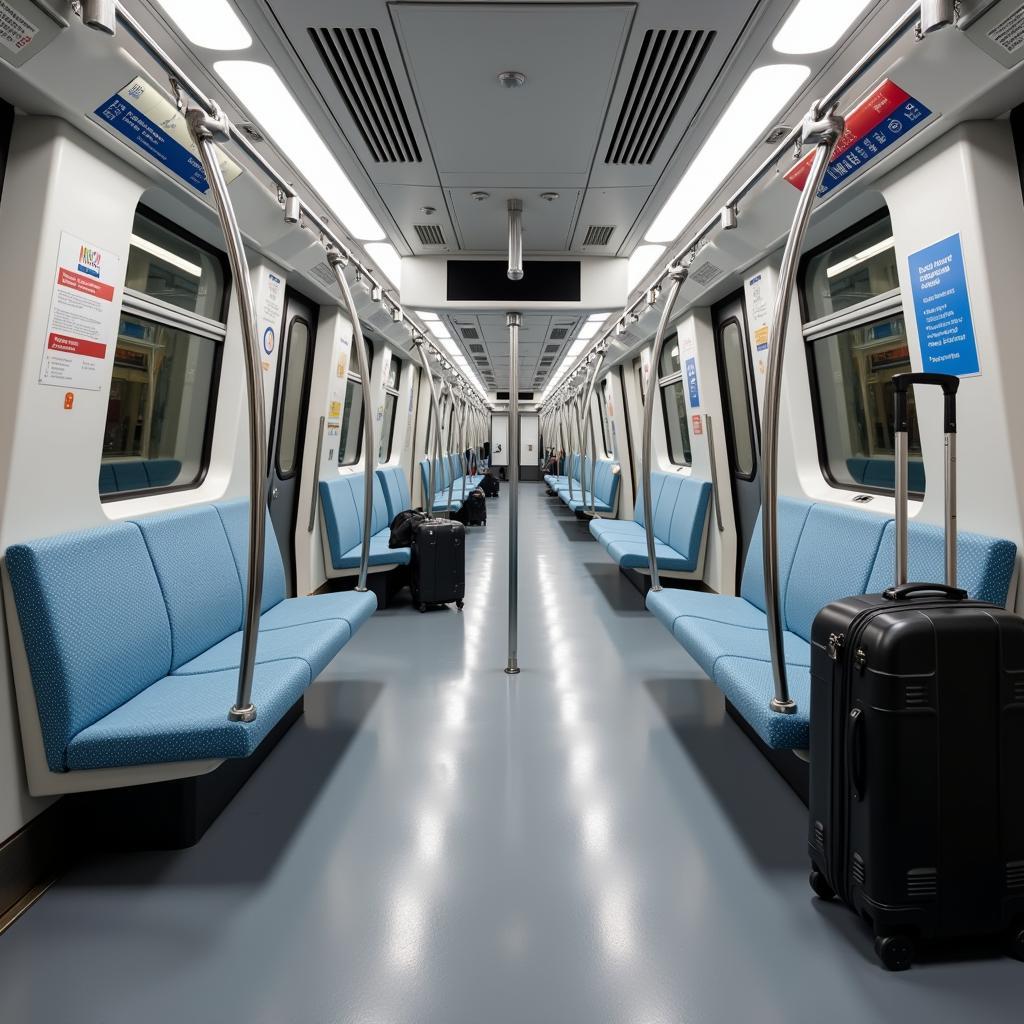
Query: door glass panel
291	399
677	427
351	424
387	428
670	359
734	359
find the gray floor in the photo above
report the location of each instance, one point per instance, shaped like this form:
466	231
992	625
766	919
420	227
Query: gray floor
438	843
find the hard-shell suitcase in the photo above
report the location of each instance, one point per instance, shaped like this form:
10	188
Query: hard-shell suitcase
474	509
438	564
917	747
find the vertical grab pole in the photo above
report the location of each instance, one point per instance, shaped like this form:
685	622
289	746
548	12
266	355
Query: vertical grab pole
601	353
823	132
446	461
581	437
677	275
428	499
514	321
338	262
203	129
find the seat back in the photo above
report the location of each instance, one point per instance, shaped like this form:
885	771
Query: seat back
235	517
396	490
342	500
689	515
94	624
792	514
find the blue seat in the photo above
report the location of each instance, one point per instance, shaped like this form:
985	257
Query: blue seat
396	490
137	474
445	471
606	488
342	500
881	472
133	638
559	482
825	552
680	507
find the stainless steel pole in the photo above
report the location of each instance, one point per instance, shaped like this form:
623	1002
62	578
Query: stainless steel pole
338	262
203	127
514	321
823	132
433	452
446	459
602	351
515	239
677	275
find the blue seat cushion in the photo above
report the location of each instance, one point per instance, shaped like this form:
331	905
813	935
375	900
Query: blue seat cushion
632	554
94	624
235	517
441	502
380	553
348	606
748	684
669	605
185	718
792	514
396	490
707	641
315	643
606	530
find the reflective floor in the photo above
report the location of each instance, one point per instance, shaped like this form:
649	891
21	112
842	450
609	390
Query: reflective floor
438	843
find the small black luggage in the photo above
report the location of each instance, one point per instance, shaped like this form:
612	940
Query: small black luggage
438	567
474	509
917	747
489	485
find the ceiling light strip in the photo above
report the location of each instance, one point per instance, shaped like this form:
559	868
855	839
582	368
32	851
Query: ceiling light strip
317	223
908	20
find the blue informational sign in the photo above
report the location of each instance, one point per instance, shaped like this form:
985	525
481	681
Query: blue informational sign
691	382
942	308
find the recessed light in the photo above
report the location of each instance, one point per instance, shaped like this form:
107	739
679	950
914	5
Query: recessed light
480	196
512	79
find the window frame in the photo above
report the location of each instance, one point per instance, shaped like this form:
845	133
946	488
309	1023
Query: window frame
139	304
391	393
349	377
879	307
663	384
307	373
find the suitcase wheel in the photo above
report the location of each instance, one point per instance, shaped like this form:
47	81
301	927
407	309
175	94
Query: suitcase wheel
895	951
459	604
423	607
820	886
1015	945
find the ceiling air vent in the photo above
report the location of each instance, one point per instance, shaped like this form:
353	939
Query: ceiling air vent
469	333
476	348
323	273
665	68
559	333
359	67
429	234
598	234
552	348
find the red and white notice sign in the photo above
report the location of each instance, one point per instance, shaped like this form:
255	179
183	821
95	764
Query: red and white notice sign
82	328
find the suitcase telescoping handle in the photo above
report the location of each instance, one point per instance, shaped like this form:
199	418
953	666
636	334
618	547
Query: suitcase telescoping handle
901	383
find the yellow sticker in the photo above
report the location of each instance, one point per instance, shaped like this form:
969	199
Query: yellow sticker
335	409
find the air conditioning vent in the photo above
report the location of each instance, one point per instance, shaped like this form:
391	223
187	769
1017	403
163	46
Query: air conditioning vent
323	273
552	348
598	234
922	883
359	67
429	234
559	333
705	273
476	348
469	333
665	68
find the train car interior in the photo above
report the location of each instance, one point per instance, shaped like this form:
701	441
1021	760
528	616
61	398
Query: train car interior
511	511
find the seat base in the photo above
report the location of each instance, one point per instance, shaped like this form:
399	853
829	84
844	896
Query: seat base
795	771
169	815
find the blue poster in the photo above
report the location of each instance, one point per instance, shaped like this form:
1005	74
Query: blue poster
942	308
691	382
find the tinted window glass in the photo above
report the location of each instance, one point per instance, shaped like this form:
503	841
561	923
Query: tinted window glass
291	399
735	359
350	441
677	428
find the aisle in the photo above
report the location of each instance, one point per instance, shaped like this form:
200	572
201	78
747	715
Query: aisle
438	843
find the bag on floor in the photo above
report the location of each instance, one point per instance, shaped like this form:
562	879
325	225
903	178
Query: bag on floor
489	485
402	527
438	568
916	807
474	509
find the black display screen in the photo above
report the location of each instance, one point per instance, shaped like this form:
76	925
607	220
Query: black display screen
487	281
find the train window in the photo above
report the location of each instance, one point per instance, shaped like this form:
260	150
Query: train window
158	426
350	442
606	426
171	268
677	428
387	427
670	359
734	358
857	343
291	399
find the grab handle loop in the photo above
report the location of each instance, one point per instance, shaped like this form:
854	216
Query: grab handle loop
907	590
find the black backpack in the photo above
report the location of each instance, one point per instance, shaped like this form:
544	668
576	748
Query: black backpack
403	526
489	485
474	509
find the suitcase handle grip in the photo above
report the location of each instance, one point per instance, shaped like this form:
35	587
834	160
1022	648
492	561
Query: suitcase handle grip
854	760
901	385
901	593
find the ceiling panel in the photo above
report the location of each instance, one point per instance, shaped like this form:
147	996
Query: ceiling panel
482	224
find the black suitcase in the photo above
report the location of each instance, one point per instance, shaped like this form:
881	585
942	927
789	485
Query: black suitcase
917	748
489	485
438	565
474	509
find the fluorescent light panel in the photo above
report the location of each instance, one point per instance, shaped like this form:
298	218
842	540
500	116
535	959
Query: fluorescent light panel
386	257
268	100
865	254
428	318
211	24
588	330
765	92
816	25
192	269
644	257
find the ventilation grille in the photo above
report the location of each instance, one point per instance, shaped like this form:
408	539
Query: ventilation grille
916	696
598	234
705	273
323	273
359	67
552	348
559	334
1018	691
469	333
476	348
857	869
429	234
1015	874
665	69
922	882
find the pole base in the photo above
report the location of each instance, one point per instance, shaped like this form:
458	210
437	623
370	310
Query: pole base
512	668
783	707
246	714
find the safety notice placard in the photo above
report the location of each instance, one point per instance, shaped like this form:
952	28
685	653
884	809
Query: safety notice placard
942	309
886	116
82	327
143	115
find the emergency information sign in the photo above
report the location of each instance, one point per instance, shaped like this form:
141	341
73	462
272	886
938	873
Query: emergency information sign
886	116
82	326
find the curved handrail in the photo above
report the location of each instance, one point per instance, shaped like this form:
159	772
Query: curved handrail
432	459
338	262
822	131
203	127
677	275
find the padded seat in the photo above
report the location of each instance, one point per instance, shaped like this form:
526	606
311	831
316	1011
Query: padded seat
670	605
342	502
396	490
348	606
446	471
606	487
